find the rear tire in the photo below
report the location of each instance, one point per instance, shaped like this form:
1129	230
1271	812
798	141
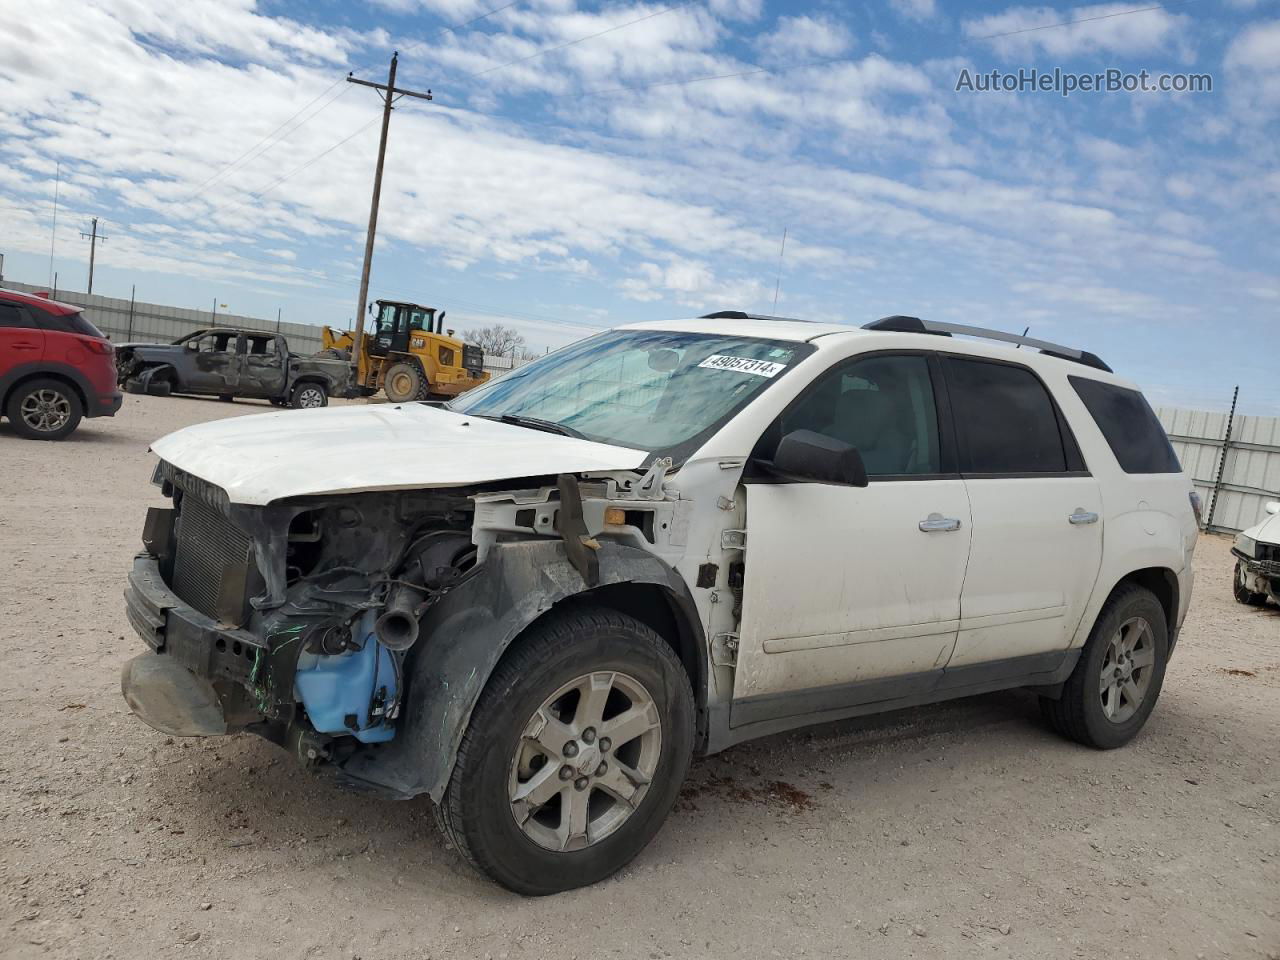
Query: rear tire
1242	593
1103	708
308	396
227	397
549	687
405	382
44	409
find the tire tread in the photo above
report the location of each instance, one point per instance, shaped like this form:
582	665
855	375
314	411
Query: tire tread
554	633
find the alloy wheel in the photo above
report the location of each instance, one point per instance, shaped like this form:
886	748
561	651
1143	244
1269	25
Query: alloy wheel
45	410
1127	668
310	397
585	760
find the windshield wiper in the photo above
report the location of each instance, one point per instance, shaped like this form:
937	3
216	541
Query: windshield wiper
536	423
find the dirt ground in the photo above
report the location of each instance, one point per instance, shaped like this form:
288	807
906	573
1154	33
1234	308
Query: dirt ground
963	830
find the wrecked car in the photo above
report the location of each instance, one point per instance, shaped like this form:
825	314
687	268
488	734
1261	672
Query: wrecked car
229	363
1257	553
535	604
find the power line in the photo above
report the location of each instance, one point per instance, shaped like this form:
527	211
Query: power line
592	36
265	140
271	139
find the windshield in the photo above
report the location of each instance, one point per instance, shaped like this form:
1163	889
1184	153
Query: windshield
651	390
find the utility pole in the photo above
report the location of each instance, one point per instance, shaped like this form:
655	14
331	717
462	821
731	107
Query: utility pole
93	239
390	93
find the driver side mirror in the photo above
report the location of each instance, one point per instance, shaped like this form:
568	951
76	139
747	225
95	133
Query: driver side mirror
1273	506
810	457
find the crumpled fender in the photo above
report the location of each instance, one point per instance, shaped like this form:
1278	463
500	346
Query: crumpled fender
464	637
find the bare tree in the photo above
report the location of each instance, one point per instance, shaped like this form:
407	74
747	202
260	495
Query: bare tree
500	341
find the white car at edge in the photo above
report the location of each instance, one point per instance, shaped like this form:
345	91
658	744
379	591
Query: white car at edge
1257	553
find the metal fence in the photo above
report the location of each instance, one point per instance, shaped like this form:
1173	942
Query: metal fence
1235	472
125	320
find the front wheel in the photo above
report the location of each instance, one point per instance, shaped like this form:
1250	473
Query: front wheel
307	396
1242	593
44	409
1114	686
574	754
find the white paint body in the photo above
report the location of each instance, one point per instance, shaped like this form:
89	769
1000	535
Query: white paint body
841	584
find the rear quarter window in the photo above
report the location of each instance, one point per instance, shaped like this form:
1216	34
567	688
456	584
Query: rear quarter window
1130	425
68	323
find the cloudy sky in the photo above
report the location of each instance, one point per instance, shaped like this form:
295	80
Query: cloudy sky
590	163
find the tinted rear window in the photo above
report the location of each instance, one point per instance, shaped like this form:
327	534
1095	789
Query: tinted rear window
68	323
1005	420
1130	426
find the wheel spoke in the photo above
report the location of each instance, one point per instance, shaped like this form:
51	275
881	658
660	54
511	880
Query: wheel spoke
1106	680
594	694
574	812
1131	693
1143	657
630	724
621	781
1111	701
548	734
536	792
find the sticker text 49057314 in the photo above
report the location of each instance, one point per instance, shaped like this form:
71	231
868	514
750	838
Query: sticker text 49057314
760	368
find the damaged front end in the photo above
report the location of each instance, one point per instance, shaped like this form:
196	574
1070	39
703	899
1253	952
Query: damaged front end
290	620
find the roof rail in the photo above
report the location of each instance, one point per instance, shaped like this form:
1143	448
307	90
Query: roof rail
901	324
739	315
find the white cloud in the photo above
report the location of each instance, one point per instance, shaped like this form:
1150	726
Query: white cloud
916	9
1253	64
1026	31
806	37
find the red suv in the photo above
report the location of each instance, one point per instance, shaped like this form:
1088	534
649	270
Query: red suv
55	367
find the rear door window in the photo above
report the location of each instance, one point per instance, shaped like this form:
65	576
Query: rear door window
1006	422
12	315
1130	425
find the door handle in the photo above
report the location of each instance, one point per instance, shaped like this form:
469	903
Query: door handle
937	523
1081	517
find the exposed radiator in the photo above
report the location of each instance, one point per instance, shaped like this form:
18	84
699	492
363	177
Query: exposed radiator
213	563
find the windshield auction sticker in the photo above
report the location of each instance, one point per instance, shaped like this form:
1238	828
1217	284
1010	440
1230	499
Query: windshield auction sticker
760	368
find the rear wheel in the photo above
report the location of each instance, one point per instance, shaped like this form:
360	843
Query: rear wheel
1114	686
227	397
405	382
44	409
307	396
574	754
1242	593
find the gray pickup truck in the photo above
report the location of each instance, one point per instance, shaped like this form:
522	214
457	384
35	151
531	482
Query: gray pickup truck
229	363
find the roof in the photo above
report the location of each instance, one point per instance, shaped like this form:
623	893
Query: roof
797	331
896	337
43	303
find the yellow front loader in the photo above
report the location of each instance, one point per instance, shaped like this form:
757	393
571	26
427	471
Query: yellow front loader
408	355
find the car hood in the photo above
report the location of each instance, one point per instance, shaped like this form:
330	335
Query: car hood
271	456
1268	531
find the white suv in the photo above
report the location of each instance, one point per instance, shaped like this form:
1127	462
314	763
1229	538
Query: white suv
536	604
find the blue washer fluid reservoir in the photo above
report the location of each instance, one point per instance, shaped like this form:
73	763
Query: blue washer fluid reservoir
333	688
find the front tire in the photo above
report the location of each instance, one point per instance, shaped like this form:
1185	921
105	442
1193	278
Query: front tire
405	382
574	755
1242	593
44	409
1116	683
